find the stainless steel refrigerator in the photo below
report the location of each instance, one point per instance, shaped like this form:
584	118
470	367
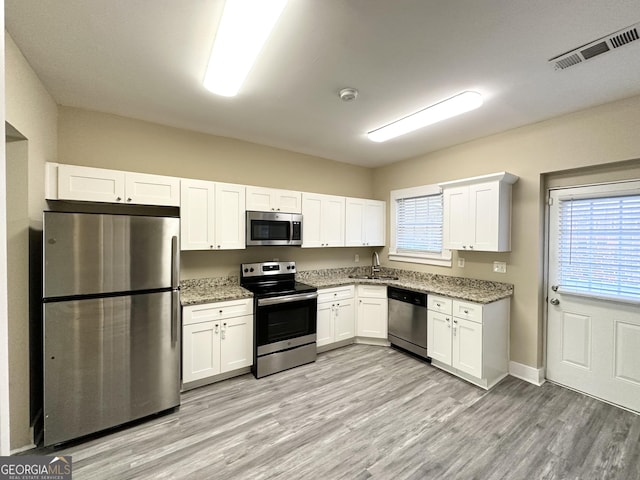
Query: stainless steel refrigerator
111	314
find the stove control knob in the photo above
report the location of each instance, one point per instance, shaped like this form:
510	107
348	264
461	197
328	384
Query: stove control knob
251	269
246	270
292	267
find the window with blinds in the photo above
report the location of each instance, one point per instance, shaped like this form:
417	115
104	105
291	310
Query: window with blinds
419	224
599	246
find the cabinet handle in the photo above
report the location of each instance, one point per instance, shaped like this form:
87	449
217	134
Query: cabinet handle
437	304
129	199
448	320
210	246
455	321
466	311
218	246
216	328
118	199
224	329
471	247
464	246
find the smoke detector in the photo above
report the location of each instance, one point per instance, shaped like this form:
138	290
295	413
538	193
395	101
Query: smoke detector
348	94
597	47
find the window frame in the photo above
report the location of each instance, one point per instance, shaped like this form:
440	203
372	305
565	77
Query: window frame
444	258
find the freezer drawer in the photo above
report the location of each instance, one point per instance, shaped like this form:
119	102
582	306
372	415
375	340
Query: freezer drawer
100	253
108	361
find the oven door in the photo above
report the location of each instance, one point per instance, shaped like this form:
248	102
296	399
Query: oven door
285	322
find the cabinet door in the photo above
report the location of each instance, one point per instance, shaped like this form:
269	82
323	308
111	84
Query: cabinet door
325	324
354	222
145	189
467	346
236	343
90	184
197	200
374	223
372	317
344	320
312	220
439	336
456	218
259	199
333	221
230	216
200	351
288	201
484	216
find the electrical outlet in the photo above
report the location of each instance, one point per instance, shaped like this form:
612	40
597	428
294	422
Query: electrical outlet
461	262
357	258
500	267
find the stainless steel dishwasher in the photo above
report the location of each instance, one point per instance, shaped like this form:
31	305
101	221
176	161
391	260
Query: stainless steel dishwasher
408	320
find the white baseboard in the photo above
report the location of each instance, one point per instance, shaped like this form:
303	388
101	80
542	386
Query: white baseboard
527	373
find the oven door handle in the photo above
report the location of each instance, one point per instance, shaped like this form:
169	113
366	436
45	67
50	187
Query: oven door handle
287	299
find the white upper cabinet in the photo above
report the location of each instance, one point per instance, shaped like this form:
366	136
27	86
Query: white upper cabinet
323	220
72	182
364	222
273	200
212	216
477	213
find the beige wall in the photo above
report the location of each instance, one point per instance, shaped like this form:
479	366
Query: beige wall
601	135
109	141
32	112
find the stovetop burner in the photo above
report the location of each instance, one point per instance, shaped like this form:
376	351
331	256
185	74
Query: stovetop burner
269	279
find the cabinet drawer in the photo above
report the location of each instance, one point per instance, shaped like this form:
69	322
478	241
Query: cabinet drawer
467	310
337	293
439	304
216	311
372	291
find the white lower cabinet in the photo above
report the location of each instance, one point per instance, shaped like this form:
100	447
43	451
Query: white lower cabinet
336	315
372	312
217	338
469	339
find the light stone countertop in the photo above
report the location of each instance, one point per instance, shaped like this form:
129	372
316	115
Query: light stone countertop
208	290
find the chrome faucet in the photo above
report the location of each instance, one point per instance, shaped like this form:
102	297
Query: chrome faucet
375	264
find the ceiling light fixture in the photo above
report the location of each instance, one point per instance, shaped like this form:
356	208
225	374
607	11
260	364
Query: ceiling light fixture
243	30
461	103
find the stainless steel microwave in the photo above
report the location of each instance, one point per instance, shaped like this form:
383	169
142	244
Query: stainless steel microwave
271	228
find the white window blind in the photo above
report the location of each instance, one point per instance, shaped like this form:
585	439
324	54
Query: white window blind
600	246
419	224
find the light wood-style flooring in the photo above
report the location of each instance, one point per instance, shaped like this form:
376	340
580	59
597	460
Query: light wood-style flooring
364	412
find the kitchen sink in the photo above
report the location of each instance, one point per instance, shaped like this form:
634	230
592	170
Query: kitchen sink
373	277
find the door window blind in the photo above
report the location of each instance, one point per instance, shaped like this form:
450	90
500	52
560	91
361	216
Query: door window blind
600	246
419	224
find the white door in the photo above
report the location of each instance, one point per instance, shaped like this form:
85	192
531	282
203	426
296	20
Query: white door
354	222
372	317
148	189
344	320
333	221
456	218
374	222
593	310
439	336
230	216
90	184
200	351
236	343
324	327
467	346
197	215
312	224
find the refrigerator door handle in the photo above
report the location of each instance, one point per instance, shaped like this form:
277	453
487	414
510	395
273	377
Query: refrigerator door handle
175	266
175	315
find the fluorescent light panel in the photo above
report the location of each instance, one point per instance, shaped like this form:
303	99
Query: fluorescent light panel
243	30
461	103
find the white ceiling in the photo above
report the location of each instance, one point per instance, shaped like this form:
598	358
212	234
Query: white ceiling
146	59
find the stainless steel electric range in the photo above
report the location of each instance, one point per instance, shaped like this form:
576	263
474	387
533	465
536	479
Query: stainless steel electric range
285	314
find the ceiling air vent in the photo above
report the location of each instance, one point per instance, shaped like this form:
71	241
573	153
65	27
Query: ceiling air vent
597	47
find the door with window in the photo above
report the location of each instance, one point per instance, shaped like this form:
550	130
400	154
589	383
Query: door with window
593	330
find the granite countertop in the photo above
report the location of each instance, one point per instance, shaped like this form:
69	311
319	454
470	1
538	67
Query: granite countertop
207	290
468	289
